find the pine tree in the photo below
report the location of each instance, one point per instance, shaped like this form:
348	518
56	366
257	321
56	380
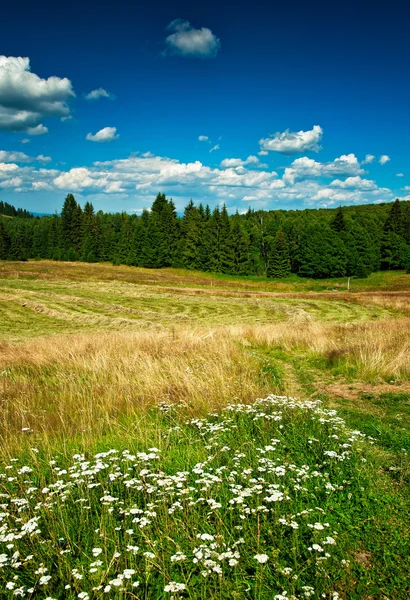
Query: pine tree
338	224
192	253
322	253
226	258
4	242
279	261
240	248
71	228
394	221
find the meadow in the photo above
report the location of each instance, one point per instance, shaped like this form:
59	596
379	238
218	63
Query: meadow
170	433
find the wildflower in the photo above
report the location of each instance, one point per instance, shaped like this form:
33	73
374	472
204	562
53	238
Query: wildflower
173	586
179	556
261	558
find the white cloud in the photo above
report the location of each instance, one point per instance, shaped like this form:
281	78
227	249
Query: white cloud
10	157
203	138
355	183
290	142
38	130
107	134
384	159
75	179
20	157
141	176
26	98
238	162
185	40
7	168
41	185
216	147
100	93
369	158
399	174
304	168
13	182
350	196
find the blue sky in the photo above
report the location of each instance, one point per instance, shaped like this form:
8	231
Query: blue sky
252	104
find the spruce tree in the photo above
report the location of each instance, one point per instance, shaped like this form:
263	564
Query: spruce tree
226	259
394	221
240	248
4	242
279	261
338	224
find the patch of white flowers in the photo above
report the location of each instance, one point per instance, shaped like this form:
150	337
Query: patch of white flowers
106	525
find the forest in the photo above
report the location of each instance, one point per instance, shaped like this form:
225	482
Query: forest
348	241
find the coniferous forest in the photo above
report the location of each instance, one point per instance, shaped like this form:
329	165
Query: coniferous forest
348	241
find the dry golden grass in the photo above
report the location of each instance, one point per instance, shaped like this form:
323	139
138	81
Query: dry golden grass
91	382
373	349
94	383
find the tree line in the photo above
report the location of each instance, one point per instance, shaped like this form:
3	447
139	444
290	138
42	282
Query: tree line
348	241
7	210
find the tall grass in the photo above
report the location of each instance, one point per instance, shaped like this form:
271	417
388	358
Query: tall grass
90	384
378	349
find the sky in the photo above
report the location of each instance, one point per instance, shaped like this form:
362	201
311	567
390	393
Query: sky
291	105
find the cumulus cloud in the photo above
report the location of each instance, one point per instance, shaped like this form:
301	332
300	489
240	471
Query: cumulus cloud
384	159
13	182
99	93
203	138
141	176
355	183
304	168
38	130
185	40
216	147
26	99
369	158
399	174
107	134
290	142
20	157
238	162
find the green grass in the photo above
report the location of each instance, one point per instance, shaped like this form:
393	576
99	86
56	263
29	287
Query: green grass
36	307
202	462
48	270
274	479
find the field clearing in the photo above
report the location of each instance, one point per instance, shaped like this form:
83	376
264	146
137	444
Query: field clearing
89	352
42	298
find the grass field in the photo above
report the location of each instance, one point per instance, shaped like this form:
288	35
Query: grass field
98	364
